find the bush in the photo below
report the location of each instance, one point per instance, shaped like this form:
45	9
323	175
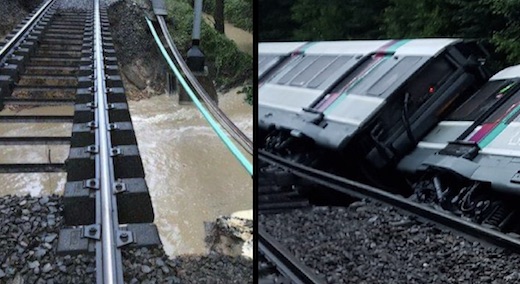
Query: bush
228	65
237	12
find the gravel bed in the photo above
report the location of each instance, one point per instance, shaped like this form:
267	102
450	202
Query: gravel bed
153	266
29	228
372	243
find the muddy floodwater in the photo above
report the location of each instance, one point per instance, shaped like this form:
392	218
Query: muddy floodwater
243	39
191	175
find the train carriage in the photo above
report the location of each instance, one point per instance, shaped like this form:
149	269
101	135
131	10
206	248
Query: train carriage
377	98
479	141
270	55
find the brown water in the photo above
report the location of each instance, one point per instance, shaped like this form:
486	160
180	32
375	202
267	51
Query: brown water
191	175
34	184
243	39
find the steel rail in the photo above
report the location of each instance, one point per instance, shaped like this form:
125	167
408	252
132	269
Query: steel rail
231	128
106	250
359	190
23	30
284	261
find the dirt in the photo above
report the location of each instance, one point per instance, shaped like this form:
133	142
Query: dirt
13	12
142	67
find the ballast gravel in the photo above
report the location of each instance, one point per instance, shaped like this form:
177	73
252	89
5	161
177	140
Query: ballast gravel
29	232
372	243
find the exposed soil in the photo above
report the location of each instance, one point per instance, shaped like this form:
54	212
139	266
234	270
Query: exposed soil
142	67
13	12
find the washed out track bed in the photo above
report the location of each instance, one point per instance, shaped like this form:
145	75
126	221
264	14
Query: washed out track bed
28	241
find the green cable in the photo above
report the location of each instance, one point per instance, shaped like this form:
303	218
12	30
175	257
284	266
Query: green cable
229	144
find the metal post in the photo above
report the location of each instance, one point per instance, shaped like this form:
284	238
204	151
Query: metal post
196	22
195	56
196	60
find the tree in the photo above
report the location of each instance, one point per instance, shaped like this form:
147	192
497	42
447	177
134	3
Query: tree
218	15
338	19
506	38
274	20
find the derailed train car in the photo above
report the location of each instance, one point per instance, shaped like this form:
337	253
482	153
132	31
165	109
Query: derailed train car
271	55
371	99
470	162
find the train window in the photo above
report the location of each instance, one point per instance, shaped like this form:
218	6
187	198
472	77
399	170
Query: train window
310	72
430	78
504	109
368	77
479	103
357	74
300	66
265	62
393	75
338	64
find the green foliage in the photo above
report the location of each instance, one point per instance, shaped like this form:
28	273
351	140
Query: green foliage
335	19
248	91
274	20
493	21
506	39
228	65
442	18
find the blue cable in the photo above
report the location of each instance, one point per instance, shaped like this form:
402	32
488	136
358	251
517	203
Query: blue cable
229	144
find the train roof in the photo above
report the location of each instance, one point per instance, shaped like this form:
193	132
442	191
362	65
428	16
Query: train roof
279	48
508	73
417	47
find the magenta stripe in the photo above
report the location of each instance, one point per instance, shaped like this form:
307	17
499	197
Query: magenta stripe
483	131
326	103
383	48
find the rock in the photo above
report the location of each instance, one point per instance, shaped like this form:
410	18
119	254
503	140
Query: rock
131	72
146	269
39	252
34	264
159	262
231	236
50	238
43	200
47	267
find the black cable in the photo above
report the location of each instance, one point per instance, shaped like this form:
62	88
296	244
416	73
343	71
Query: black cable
406	119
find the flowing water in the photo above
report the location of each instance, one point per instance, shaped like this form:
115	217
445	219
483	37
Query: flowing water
191	175
243	39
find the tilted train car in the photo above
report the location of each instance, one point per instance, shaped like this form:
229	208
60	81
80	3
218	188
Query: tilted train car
271	55
375	98
475	151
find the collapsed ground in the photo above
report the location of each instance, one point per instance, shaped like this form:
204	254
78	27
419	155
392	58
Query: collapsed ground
30	225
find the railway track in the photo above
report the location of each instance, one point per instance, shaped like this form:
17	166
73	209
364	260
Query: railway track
352	189
60	57
277	265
